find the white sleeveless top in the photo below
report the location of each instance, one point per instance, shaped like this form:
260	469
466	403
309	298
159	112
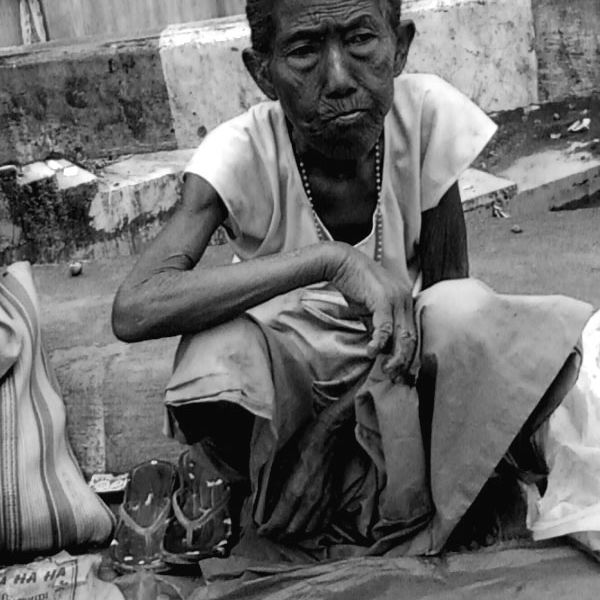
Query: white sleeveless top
432	134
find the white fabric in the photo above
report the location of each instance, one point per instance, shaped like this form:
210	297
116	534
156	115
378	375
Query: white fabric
571	442
432	134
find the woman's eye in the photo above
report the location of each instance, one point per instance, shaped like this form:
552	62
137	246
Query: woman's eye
302	51
304	56
360	38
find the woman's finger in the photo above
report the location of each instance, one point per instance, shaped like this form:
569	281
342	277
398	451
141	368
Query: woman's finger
405	342
383	328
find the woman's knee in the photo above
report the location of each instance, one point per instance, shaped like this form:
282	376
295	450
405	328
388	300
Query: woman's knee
230	362
233	338
454	306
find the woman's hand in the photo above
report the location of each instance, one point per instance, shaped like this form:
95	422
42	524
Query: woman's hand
311	475
305	502
388	302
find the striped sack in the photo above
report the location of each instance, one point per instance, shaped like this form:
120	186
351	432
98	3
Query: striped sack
45	503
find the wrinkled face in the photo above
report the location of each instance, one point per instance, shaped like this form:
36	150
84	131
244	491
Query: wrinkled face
333	68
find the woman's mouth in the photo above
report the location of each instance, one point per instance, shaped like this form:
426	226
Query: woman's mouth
348	117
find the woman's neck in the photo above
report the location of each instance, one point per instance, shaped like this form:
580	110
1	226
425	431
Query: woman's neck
333	167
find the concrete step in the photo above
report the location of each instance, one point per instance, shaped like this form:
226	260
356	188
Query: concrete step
54	211
58	211
146	187
481	190
555	179
44	210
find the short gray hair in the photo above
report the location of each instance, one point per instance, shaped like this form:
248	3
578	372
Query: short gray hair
262	28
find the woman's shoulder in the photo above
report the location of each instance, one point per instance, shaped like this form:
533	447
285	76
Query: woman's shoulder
239	146
427	93
428	108
417	84
263	122
240	158
440	128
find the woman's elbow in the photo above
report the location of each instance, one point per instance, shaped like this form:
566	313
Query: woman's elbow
125	318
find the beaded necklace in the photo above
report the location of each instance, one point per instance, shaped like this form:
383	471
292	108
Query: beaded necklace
321	233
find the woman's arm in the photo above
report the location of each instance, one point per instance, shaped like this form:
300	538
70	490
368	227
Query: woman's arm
443	243
164	295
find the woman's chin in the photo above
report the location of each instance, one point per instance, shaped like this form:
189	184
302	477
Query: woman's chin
347	147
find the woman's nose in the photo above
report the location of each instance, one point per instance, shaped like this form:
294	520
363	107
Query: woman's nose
339	80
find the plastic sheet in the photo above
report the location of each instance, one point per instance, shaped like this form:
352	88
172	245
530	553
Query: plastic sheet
571	442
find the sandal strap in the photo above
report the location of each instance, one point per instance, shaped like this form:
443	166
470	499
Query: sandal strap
192	525
150	530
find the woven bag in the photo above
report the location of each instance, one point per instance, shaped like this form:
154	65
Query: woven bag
45	504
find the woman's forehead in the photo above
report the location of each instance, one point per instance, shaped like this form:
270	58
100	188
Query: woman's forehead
297	14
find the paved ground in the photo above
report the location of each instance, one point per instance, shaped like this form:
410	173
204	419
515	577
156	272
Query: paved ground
113	391
526	131
558	252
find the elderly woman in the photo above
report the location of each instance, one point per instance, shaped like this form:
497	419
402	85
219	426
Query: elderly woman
330	372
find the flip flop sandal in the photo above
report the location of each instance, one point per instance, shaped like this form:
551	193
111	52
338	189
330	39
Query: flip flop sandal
143	518
201	526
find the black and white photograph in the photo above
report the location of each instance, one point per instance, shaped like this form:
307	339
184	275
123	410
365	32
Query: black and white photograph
299	299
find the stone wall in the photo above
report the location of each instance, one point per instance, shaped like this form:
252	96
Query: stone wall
164	91
568	47
80	19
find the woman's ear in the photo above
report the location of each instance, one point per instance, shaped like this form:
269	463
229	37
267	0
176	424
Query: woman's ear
405	35
257	65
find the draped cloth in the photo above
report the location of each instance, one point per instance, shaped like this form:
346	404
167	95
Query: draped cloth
492	358
413	470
